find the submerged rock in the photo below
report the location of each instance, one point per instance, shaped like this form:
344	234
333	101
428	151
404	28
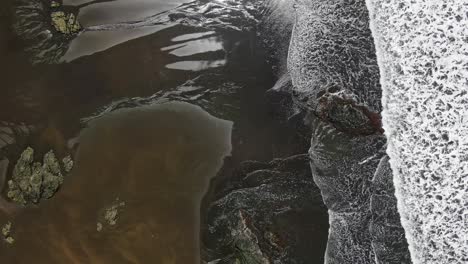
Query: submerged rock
67	163
6	233
54	4
109	215
32	181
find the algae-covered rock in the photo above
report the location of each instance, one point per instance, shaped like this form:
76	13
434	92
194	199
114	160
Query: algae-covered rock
51	163
6	233
110	215
54	4
51	184
65	23
23	166
59	21
46	27
99	227
32	181
67	163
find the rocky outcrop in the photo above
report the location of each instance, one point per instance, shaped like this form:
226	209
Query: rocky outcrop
267	213
32	181
343	166
12	136
65	23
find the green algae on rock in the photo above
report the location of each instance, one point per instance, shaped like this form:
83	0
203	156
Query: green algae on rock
67	163
46	27
65	23
6	233
110	215
32	181
54	4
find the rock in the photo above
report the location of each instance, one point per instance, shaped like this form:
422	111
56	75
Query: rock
65	23
343	167
54	4
347	116
67	163
51	163
6	232
46	27
10	240
99	227
59	21
3	172
109	216
50	184
32	181
267	213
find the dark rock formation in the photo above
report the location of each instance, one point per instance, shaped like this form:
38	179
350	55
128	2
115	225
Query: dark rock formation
267	213
347	116
343	166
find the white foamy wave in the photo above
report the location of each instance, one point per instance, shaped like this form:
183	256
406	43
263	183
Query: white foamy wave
422	50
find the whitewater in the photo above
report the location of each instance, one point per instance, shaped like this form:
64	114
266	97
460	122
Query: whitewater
422	50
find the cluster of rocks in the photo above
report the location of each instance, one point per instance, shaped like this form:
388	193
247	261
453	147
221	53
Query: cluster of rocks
32	182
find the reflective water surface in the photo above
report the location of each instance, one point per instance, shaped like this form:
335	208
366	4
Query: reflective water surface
99	12
158	160
109	104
